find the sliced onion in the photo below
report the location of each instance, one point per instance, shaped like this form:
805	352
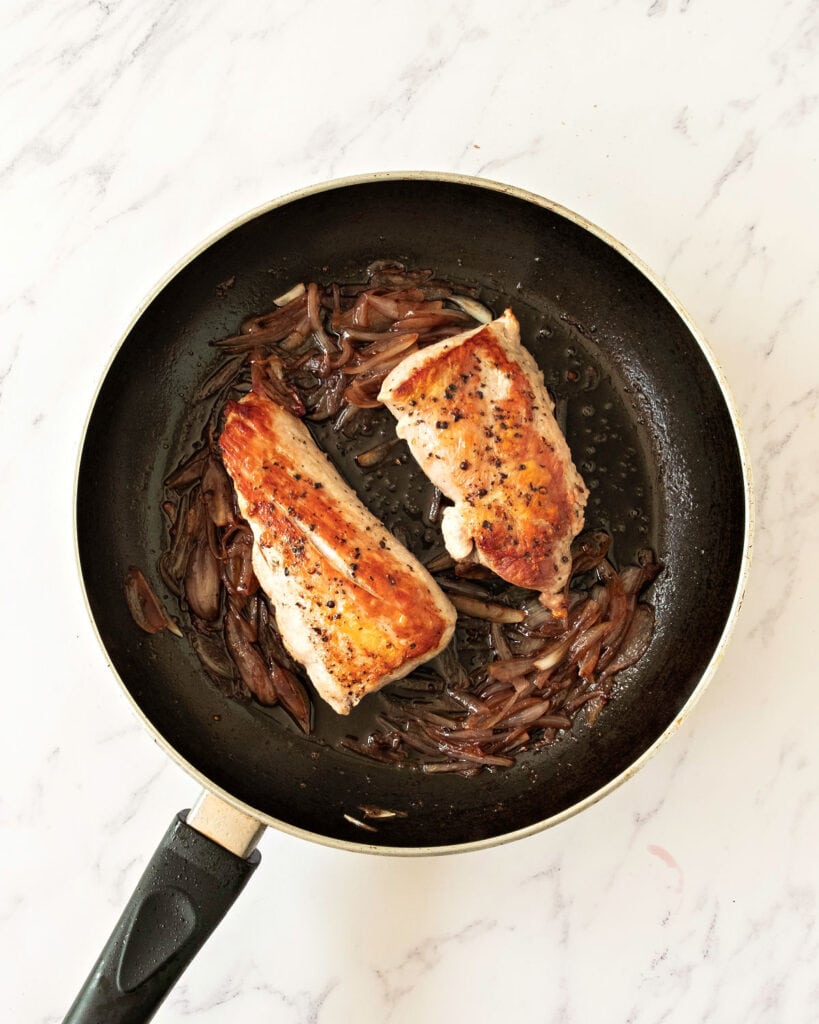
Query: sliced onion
292	695
469	700
217	491
279	321
527	715
589	550
346	353
293	293
554	722
212	655
423	322
380	813
593	709
500	643
188	529
552	656
145	607
359	824
588	637
326	400
248	660
635	642
473	735
388	354
163	567
472	308
442	767
237	565
203	582
375	339
506	671
635	577
316	325
395	305
360	393
189	471
295	339
476	757
487	610
267	378
439	562
588	662
375	456
349	412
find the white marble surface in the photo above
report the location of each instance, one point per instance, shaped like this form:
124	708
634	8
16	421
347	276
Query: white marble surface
690	130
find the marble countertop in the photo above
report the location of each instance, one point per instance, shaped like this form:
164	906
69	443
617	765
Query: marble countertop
688	130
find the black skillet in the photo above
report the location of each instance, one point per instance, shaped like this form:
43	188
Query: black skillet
648	422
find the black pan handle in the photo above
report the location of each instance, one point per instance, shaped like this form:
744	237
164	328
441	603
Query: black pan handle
188	887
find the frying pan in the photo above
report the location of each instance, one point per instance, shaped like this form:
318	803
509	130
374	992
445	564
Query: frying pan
648	421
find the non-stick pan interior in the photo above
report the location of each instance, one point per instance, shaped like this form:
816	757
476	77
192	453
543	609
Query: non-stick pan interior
645	418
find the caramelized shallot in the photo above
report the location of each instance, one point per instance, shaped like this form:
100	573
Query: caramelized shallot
217	492
237	564
486	609
202	581
248	660
292	695
143	604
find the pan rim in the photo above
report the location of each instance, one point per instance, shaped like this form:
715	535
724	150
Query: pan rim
747	485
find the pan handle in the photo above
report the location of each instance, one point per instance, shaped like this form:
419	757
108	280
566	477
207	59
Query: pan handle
201	865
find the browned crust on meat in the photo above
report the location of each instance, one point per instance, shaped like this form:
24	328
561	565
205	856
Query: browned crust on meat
518	494
366	604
